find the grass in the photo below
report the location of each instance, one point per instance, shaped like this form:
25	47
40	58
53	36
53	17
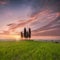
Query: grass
29	50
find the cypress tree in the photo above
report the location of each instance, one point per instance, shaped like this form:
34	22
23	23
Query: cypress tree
21	35
29	33
25	32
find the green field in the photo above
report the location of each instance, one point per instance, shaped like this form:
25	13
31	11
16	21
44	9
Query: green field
29	50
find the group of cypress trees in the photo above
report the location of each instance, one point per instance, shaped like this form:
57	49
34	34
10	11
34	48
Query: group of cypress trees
26	34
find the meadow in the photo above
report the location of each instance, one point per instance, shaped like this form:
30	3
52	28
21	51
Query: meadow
29	50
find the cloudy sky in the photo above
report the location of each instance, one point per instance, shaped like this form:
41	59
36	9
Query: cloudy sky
43	16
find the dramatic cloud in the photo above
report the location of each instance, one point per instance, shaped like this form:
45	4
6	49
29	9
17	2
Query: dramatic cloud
44	21
42	16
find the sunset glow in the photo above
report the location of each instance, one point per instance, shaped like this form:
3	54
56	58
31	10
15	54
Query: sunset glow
41	16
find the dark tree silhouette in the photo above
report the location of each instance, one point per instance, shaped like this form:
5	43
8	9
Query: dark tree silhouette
21	35
29	33
26	34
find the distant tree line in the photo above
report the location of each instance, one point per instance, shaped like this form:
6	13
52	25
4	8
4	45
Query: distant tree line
26	34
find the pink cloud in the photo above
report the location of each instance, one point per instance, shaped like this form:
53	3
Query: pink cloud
3	2
41	19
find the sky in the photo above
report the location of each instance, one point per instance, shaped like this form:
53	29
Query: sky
42	16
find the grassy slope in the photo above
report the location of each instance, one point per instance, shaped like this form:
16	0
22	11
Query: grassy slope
29	50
